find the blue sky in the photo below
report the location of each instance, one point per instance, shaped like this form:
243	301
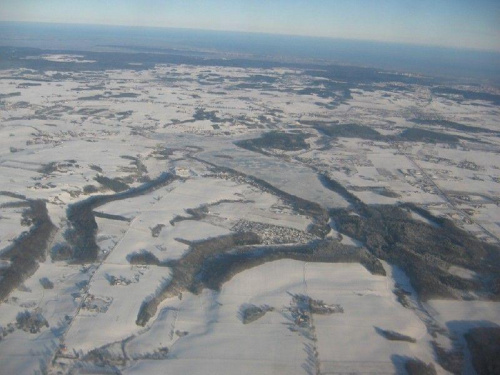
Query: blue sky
450	23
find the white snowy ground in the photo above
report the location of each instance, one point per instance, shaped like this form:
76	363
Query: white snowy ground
145	212
219	343
62	120
461	316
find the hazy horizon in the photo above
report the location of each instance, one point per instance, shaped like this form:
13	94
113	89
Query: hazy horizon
457	24
382	55
318	37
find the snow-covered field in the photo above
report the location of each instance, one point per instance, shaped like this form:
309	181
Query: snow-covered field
347	342
66	137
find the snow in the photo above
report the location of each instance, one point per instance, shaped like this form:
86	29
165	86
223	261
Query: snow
51	123
348	341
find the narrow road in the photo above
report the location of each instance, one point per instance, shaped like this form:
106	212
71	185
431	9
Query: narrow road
314	356
448	200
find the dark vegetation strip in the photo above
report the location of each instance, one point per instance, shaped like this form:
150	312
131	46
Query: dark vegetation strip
407	135
143	258
467	94
15	204
276	140
185	269
114	184
455	125
425	252
429	136
104	215
199	213
211	263
28	249
83	229
217	270
12	195
320	216
394	336
414	366
349	131
484	347
338	188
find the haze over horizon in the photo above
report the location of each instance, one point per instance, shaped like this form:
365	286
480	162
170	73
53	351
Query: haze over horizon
457	24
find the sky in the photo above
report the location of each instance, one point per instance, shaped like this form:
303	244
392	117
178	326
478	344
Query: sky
450	23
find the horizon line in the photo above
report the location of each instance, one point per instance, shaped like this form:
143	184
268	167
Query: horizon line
375	41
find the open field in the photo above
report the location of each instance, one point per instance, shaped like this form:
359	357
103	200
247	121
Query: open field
217	216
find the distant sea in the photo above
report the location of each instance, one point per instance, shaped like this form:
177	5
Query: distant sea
400	57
